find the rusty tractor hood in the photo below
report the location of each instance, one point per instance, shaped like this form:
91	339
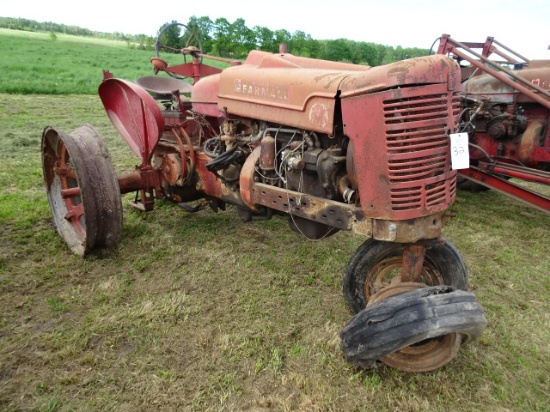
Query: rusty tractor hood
418	71
486	86
302	92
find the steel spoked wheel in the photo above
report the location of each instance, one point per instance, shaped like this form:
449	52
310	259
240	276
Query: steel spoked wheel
374	274
82	188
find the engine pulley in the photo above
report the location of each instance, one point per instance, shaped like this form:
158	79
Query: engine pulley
171	168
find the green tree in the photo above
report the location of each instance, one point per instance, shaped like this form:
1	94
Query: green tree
149	43
365	53
242	38
282	37
171	36
203	28
222	40
336	50
298	44
265	39
381	51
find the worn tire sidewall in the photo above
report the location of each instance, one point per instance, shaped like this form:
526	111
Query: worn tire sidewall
445	258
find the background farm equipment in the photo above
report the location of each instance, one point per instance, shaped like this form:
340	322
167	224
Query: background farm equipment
333	146
506	111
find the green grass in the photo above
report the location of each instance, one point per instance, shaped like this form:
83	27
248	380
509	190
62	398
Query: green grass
201	312
32	63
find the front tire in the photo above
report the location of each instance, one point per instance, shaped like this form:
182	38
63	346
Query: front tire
377	264
411	336
416	331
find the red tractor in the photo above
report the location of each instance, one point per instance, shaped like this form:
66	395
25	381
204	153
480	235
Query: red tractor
506	113
333	146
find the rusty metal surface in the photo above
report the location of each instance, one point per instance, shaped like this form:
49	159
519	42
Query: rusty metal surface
413	262
260	89
401	154
521	172
60	176
425	356
328	212
207	181
194	70
490	87
530	151
506	113
524	85
246	179
420	70
344	216
335	146
163	85
82	188
405	231
135	115
130	182
205	96
266	59
266	94
507	188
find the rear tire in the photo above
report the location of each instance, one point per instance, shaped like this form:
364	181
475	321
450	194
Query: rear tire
82	188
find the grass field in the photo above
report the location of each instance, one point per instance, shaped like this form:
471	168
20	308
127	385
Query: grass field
32	63
200	312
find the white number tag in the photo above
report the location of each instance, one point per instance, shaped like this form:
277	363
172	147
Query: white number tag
460	157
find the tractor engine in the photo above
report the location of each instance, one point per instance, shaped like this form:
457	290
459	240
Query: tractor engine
291	158
360	136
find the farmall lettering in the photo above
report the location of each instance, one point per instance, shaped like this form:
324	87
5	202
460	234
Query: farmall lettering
311	140
263	90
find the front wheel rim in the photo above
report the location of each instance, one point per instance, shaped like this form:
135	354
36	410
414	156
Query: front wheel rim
424	356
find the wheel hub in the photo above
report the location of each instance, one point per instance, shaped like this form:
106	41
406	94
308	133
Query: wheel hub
424	356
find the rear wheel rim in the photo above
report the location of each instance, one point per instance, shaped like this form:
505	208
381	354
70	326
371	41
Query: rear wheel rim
70	191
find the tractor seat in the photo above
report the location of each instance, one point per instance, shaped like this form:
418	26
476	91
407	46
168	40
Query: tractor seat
164	86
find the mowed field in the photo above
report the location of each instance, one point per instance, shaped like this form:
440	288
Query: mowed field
200	312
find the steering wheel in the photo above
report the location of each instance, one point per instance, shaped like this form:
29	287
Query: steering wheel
189	42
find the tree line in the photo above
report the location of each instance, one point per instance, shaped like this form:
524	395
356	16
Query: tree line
50	27
223	38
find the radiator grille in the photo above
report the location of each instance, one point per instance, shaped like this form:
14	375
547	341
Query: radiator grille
418	154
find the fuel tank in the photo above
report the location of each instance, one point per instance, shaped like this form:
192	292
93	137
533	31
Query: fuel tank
279	88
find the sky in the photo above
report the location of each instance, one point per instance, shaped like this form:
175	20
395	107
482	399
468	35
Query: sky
522	25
